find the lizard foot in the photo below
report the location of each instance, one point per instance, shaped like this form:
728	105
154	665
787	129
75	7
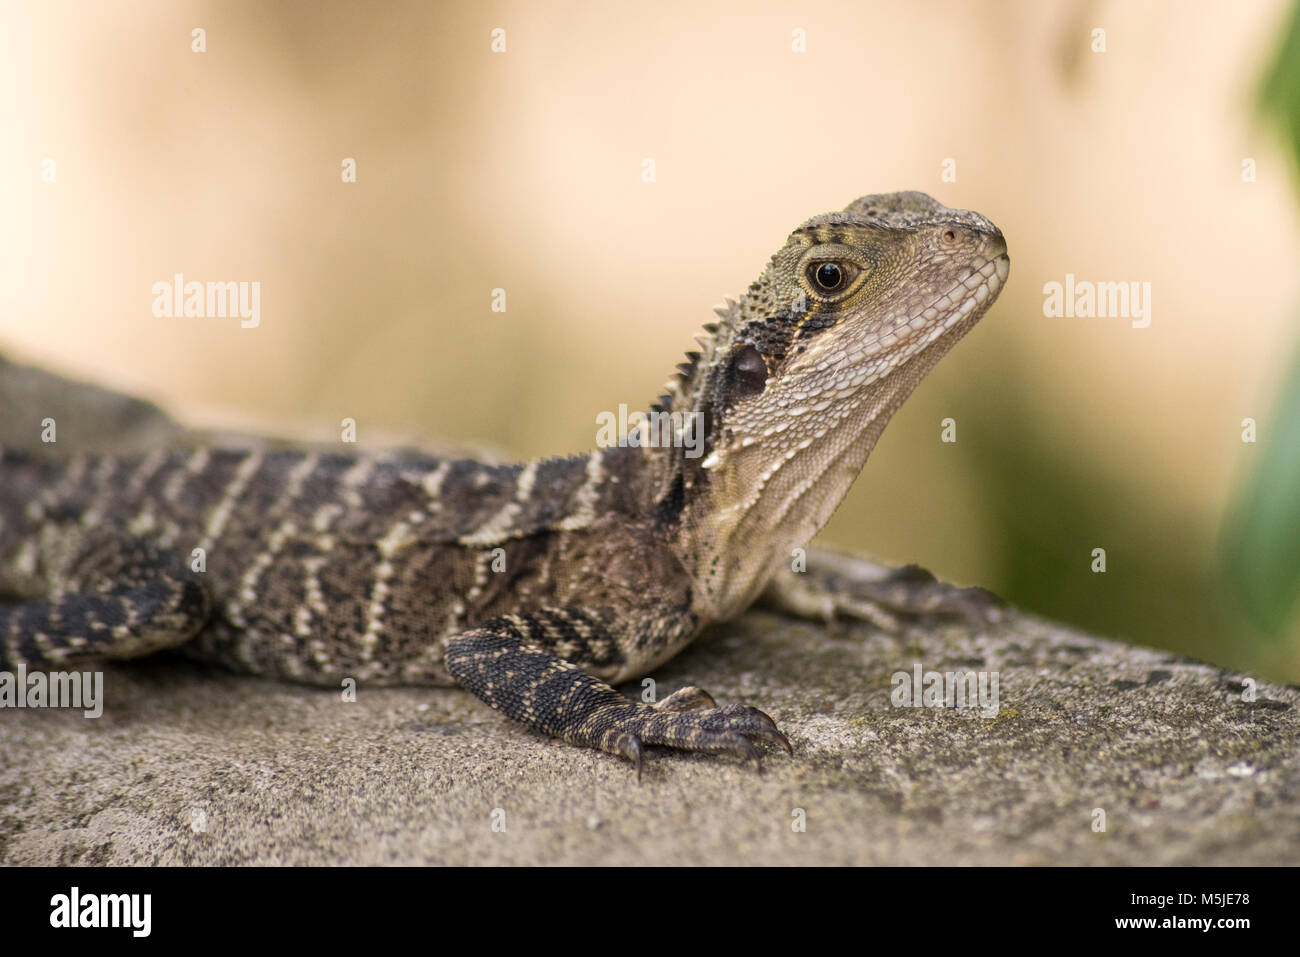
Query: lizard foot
836	587
736	729
913	592
505	663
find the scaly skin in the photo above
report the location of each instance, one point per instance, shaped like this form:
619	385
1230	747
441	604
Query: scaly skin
535	586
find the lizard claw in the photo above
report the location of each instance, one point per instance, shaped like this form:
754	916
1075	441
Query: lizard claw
774	736
736	743
627	745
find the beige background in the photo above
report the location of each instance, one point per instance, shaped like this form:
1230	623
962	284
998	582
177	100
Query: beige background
522	170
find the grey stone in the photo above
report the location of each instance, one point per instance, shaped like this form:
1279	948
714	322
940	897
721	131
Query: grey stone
188	766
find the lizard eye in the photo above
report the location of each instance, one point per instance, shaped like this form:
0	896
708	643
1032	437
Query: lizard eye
828	277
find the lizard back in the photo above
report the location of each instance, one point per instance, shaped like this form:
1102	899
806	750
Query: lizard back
323	566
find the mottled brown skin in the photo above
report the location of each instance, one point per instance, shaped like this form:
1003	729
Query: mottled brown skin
535	586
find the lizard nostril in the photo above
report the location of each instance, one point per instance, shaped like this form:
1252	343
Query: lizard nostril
996	244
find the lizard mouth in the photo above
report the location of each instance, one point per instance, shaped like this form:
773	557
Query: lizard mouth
965	301
954	310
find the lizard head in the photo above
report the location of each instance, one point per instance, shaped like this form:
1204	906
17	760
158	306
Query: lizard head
794	384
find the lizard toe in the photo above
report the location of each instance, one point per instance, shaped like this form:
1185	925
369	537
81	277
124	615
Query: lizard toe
689	698
752	723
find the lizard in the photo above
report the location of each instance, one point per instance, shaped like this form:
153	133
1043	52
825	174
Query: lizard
539	587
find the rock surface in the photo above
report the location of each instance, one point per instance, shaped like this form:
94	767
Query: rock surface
188	766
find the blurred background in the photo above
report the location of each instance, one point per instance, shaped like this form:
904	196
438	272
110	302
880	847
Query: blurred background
1167	157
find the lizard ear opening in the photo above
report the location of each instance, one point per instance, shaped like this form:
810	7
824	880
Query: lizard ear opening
747	374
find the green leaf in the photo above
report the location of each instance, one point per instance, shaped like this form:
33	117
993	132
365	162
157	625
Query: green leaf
1279	93
1262	534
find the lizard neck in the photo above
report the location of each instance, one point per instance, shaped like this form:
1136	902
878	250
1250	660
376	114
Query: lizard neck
734	527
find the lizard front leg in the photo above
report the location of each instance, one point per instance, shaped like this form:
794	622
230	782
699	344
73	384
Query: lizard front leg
835	586
531	667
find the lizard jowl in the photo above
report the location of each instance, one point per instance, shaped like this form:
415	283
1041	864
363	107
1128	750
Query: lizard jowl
538	586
